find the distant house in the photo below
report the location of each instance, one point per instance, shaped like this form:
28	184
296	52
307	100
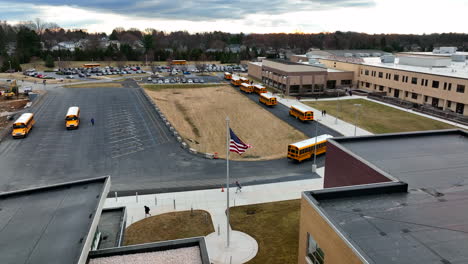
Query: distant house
235	48
213	50
65	45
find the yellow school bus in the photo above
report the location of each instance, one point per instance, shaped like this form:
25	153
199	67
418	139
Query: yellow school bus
267	99
72	119
248	88
227	75
244	80
301	113
23	125
307	148
258	89
235	80
91	65
178	62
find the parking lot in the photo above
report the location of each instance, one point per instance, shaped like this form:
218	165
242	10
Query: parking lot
128	142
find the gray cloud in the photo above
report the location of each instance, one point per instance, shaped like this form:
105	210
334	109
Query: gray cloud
202	9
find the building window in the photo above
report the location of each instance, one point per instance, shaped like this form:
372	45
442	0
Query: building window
414	96
367	84
445	85
389	90
449	104
366	72
425	98
380	74
449	86
426	82
435	84
345	82
373	73
406	94
314	253
414	80
460	88
396	77
381	87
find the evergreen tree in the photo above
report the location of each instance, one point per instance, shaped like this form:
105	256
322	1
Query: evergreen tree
49	61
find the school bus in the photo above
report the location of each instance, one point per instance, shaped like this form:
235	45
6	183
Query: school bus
307	148
72	119
178	62
235	80
244	80
267	99
23	125
301	113
258	89
227	76
91	65
248	88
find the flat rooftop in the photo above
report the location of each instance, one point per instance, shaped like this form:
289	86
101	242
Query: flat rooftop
50	224
456	69
112	227
427	221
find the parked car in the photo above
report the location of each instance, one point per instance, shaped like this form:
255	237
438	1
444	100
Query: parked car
70	77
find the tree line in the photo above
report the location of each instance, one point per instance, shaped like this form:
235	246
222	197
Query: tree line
31	40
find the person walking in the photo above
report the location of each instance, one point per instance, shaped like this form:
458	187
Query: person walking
239	187
324	112
92	121
147	211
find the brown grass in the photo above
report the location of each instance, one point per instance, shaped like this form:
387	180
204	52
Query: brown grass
169	226
275	226
95	85
199	116
378	118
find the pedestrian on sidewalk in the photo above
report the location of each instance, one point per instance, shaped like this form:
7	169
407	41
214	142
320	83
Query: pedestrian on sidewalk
92	121
324	112
147	211
239	187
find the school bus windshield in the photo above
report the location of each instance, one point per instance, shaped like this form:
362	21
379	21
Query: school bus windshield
19	125
69	118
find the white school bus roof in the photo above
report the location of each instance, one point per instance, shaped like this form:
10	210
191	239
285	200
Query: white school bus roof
243	78
227	73
24	118
73	110
302	108
259	86
267	95
311	141
246	85
235	78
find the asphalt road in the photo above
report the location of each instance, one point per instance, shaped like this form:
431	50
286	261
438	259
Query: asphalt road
128	142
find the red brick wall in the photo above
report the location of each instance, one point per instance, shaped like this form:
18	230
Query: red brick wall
341	169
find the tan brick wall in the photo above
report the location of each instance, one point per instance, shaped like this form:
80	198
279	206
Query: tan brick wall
335	249
443	95
255	70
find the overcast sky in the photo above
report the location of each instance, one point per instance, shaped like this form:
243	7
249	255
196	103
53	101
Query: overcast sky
254	16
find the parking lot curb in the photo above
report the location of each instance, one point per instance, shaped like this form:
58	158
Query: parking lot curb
173	131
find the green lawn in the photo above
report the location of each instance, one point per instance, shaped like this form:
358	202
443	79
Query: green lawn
158	87
275	226
169	226
378	118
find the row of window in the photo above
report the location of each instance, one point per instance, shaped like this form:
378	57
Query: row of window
414	80
312	148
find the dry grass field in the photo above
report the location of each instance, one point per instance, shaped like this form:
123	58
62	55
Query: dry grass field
199	115
169	226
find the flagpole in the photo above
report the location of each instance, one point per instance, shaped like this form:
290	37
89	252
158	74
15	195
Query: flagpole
228	137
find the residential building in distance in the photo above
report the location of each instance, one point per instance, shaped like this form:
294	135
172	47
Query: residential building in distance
299	79
391	198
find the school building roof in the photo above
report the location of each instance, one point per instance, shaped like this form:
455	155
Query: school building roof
52	224
420	216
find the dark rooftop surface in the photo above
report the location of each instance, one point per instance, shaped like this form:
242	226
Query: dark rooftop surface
111	224
427	224
48	225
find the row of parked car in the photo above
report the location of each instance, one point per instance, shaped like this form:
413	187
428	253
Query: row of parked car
174	80
100	71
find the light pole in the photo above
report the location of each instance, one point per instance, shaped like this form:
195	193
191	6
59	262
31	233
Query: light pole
314	166
356	117
337	99
10	65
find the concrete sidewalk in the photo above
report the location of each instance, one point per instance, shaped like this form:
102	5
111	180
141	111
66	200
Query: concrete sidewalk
345	128
243	246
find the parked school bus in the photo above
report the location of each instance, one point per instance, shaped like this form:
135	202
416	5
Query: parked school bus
267	99
72	119
244	80
307	148
258	89
23	125
227	76
301	113
248	88
235	80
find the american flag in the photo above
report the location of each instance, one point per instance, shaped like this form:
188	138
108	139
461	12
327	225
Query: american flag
237	145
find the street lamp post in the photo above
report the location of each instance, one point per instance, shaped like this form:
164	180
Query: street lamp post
314	166
356	117
10	65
